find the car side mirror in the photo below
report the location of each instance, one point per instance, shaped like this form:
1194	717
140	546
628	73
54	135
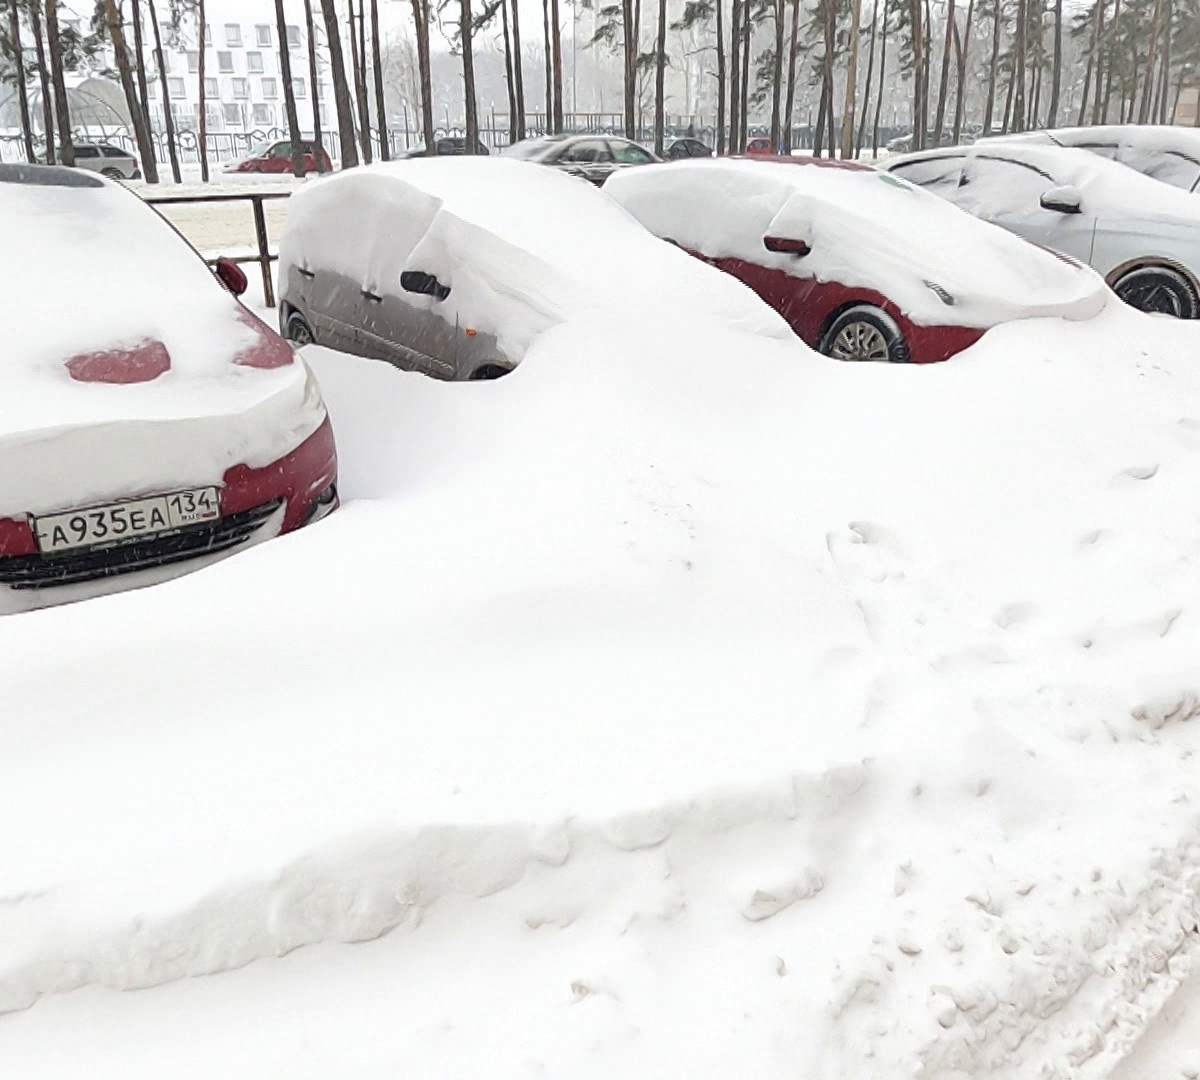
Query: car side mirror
231	276
784	245
417	281
1062	200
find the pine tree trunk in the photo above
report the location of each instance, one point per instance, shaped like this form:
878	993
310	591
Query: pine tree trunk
862	123
549	125
22	90
39	40
1101	66
819	131
747	36
421	19
1108	73
993	67
882	72
963	46
518	74
939	122
849	106
202	107
121	54
660	71
168	116
631	48
140	62
780	8
737	138
313	78
789	110
508	73
385	146
341	89
1056	83
1164	85
1151	58
357	61
1091	64
468	52
289	93
720	4
62	111
918	54
1019	66
556	47
1008	102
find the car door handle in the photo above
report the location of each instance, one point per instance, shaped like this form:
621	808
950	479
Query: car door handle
310	274
372	297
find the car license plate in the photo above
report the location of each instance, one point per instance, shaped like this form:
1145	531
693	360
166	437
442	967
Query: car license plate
126	520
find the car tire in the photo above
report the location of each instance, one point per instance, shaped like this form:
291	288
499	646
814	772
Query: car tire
865	333
1159	290
113	174
297	330
488	371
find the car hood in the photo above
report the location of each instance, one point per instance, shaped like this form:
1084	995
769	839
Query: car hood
865	229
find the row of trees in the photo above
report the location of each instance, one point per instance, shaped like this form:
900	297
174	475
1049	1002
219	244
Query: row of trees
1011	64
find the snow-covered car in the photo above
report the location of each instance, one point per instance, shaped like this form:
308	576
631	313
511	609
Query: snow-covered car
861	265
1165	152
451	267
148	421
1141	235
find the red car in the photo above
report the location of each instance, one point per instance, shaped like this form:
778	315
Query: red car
276	157
862	266
149	423
759	147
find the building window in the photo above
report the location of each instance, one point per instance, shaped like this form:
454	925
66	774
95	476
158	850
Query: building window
233	35
299	89
216	116
320	91
254	63
152	89
211	89
208	35
270	88
262	35
324	116
225	62
233	116
293	33
264	115
193	62
241	89
176	88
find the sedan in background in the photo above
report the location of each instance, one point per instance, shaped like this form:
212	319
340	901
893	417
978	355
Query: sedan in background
861	265
451	146
1141	235
157	428
453	268
276	157
592	157
1163	152
687	147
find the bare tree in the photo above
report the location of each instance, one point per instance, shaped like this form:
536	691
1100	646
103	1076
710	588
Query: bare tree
660	69
862	124
779	9
1152	54
22	90
721	90
341	89
548	57
468	58
39	41
314	77
421	19
556	51
882	69
139	62
141	128
202	118
917	27
168	117
62	109
1056	77
357	48
847	140
962	44
993	67
744	99
629	21
789	109
289	93
377	68
1019	47
939	123
518	75
737	137
509	83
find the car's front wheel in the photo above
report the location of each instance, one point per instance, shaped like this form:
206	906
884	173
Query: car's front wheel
112	174
297	330
1159	290
862	333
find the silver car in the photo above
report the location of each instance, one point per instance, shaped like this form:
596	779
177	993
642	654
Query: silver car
1142	236
108	160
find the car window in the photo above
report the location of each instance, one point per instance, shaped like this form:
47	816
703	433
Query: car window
700	150
678	150
932	172
585	152
113	151
627	153
993	184
281	150
86	152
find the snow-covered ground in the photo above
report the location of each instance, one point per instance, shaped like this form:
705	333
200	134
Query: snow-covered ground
684	704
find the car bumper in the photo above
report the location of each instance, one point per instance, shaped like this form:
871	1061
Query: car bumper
256	504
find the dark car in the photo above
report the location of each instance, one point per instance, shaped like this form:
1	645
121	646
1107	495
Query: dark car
452	146
276	157
687	147
593	157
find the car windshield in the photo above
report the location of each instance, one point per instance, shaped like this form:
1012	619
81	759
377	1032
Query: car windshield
526	148
260	148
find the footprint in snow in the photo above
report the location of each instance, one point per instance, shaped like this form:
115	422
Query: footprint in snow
1137	472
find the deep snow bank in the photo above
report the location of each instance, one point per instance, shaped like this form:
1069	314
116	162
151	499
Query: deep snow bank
719	709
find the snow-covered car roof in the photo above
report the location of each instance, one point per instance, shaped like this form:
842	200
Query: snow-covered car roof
521	247
986	179
91	271
865	229
1164	152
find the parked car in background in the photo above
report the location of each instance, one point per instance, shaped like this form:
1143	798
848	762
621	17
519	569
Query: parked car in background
453	268
686	147
105	159
902	144
451	146
148	422
759	146
1141	235
593	157
276	157
862	266
1164	152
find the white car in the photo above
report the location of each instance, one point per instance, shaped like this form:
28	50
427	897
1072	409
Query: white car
1167	153
1141	235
